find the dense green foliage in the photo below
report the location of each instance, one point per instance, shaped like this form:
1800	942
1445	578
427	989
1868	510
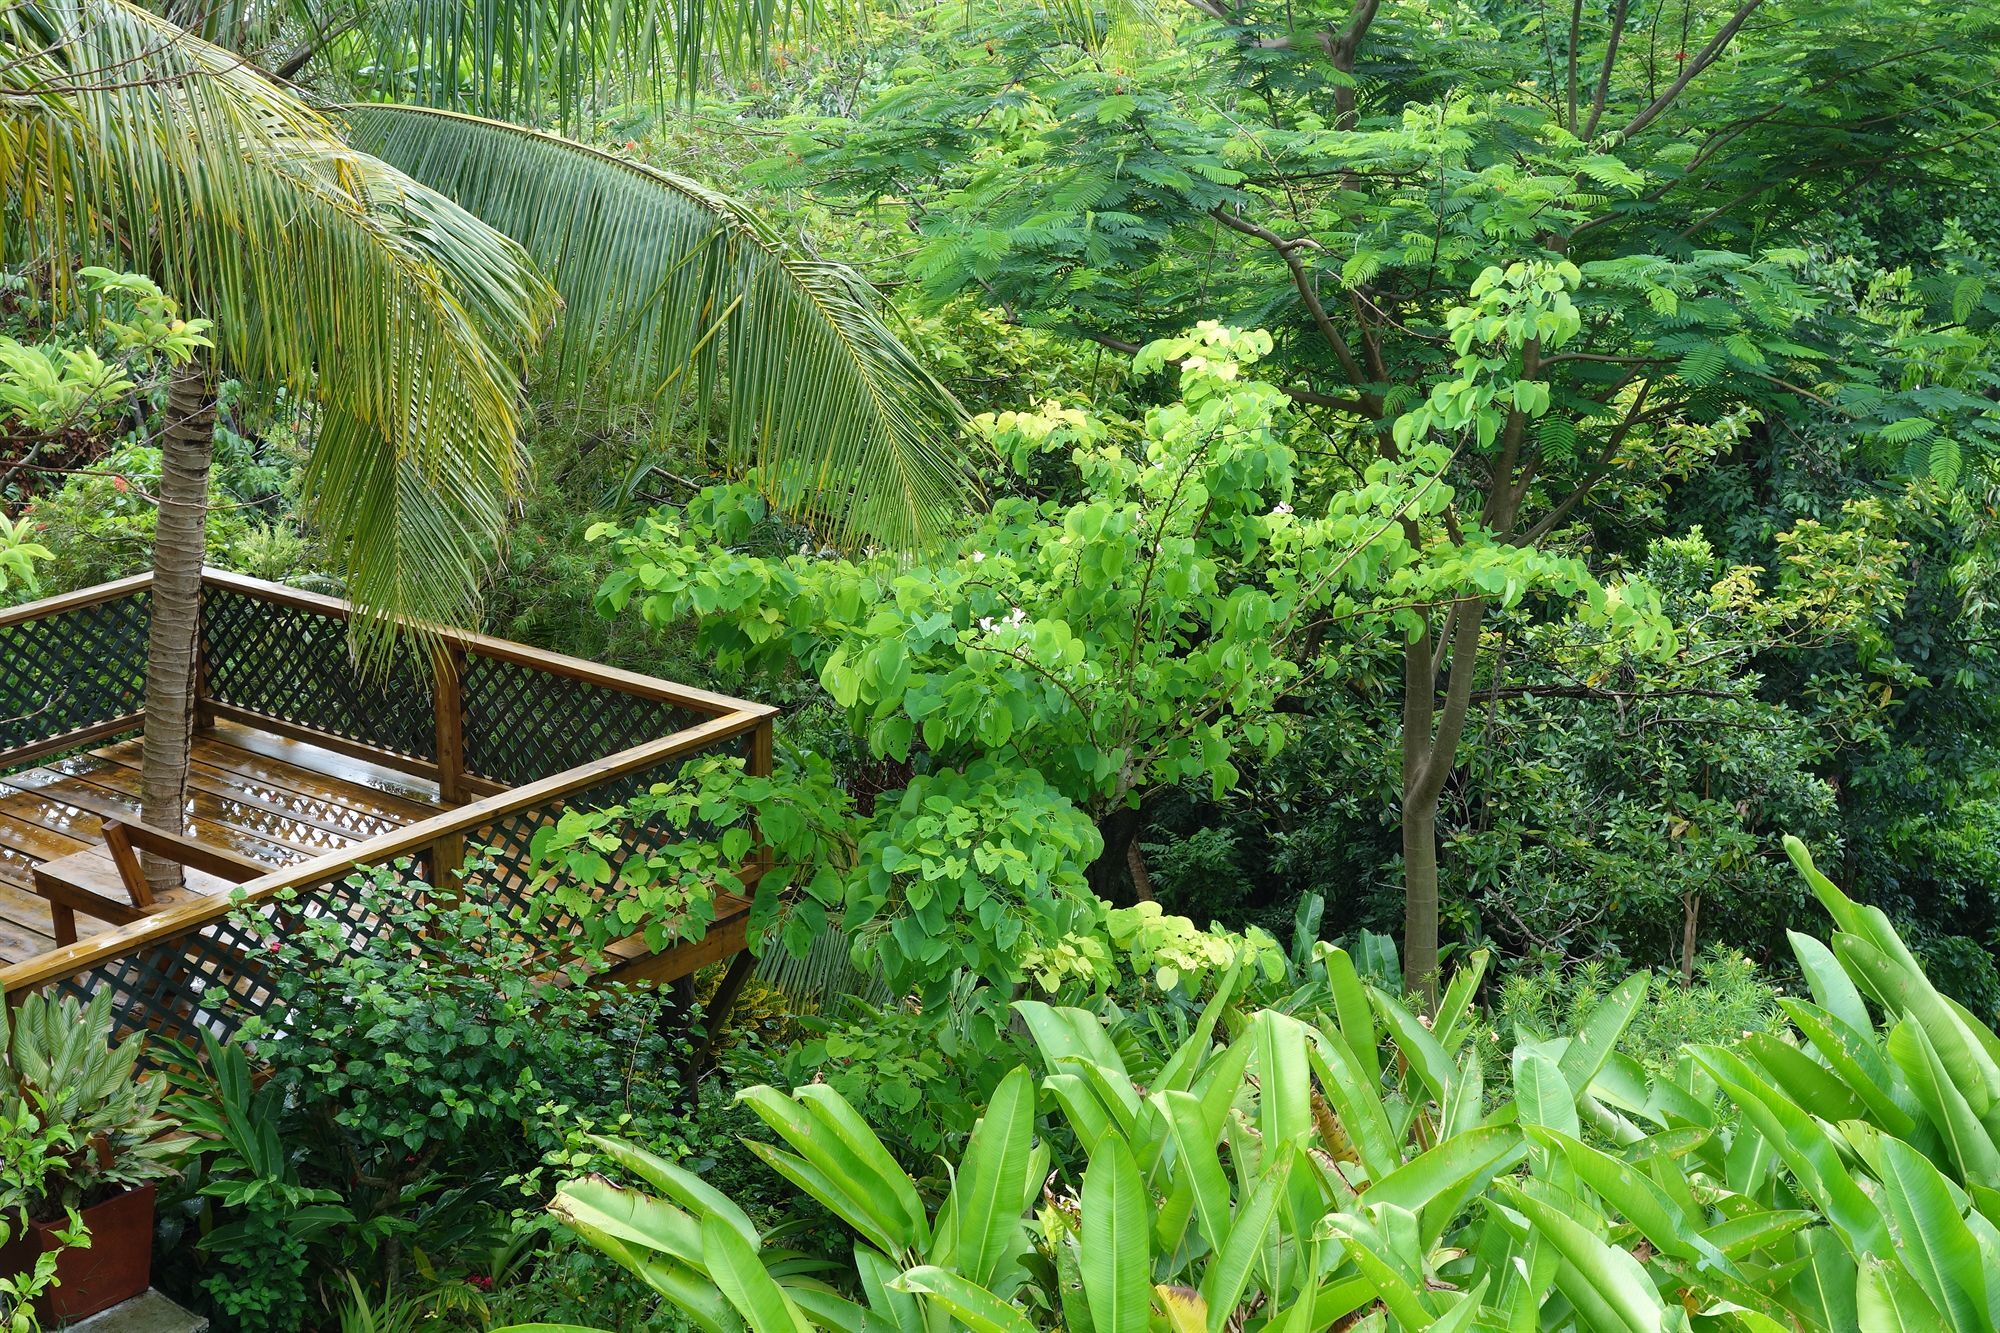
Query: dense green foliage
1289	1169
1455	479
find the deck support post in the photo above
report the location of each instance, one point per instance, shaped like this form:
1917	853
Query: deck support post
447	673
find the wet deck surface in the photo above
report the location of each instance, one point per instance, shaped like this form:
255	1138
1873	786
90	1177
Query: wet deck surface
262	796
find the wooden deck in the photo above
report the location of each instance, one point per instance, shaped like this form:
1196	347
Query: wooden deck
275	800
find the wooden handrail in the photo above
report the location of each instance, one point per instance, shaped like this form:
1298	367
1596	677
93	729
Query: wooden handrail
77	600
414	839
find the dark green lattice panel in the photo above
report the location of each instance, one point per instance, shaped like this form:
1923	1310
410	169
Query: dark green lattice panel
292	663
73	669
216	978
522	724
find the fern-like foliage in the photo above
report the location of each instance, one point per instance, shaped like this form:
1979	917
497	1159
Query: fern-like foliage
668	283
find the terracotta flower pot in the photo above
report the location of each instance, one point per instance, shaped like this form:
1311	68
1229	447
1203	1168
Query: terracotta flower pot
116	1266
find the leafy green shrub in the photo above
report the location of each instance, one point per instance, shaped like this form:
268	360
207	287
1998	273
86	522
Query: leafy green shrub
1277	1173
253	1215
62	1067
443	1036
425	1083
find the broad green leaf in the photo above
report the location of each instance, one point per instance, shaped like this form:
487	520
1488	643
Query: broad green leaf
1436	1183
971	1304
832	1110
1804	1145
740	1274
1080	1107
1830	984
875	1203
1068	1034
1229	1269
1427	1059
1356	1100
895	1307
1284	1106
1887	1300
1923	1067
1179	1071
1642	1203
1824	1289
1802	1078
992	1188
1117	1267
683	1186
1194	1148
1457	999
1357	1016
1935	1245
1598	1036
1367	1246
631	1216
833	1193
1856	1059
1602	1274
1910	993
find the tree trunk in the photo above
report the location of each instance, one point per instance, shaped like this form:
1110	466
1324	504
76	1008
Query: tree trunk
1431	732
186	449
1420	900
1110	875
1690	924
1142	878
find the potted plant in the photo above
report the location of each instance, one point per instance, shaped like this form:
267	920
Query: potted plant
85	1141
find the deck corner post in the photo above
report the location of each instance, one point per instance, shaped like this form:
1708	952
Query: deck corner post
204	694
448	706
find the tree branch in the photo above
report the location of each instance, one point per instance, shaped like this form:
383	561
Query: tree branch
1302	280
1702	60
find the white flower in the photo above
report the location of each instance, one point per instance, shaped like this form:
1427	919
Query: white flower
1018	617
978	556
1281	508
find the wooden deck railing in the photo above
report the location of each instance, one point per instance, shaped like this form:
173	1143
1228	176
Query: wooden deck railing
511	735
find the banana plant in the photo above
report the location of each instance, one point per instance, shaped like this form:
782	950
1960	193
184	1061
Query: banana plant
1211	1197
1346	1164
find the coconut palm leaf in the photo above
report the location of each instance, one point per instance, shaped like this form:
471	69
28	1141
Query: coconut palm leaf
124	139
669	285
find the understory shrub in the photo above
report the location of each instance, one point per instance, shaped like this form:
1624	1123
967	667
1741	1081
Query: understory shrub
429	1080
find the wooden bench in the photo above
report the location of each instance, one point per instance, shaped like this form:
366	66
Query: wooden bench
108	882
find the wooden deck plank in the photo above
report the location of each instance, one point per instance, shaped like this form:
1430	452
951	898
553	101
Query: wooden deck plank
264	796
25	925
321	811
96	804
297	759
281	829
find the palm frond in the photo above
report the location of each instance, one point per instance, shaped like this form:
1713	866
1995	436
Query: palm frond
664	279
521	59
124	139
823	976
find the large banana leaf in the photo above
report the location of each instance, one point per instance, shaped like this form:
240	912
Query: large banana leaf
124	140
670	285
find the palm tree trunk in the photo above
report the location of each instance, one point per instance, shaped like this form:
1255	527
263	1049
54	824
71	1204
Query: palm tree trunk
186	449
